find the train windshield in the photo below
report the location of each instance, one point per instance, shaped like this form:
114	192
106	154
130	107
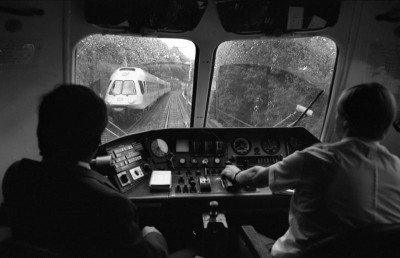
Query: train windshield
129	88
146	82
122	88
272	83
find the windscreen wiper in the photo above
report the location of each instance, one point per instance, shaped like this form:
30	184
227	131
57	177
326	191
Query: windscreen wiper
305	111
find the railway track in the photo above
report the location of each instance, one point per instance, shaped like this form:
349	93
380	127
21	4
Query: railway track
175	114
167	112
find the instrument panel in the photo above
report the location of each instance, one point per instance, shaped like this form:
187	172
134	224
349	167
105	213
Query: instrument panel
195	158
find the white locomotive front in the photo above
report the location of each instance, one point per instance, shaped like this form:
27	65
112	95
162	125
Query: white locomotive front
131	90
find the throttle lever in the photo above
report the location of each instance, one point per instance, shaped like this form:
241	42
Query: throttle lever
228	185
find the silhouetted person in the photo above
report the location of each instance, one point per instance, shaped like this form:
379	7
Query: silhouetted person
340	186
59	203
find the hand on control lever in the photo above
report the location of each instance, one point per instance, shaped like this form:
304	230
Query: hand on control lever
229	172
228	177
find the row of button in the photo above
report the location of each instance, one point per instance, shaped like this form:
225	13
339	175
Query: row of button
212	171
185	189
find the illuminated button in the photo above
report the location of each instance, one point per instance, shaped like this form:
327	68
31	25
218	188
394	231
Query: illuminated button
217	161
182	161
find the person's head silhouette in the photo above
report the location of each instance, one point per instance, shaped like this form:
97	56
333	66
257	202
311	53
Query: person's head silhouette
71	121
365	110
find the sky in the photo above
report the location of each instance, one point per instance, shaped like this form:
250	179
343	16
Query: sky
185	46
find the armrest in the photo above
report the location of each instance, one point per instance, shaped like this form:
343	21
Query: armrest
254	242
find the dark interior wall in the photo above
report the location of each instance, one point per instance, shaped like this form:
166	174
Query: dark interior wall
30	65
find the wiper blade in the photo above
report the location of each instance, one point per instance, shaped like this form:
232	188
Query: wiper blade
305	111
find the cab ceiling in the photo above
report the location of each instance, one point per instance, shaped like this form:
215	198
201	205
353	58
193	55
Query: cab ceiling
240	17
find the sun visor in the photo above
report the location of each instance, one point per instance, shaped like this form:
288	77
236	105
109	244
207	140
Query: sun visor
276	17
141	16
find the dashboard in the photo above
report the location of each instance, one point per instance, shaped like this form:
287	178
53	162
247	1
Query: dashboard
195	158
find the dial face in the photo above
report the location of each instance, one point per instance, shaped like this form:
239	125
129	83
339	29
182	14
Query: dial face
159	148
270	145
241	146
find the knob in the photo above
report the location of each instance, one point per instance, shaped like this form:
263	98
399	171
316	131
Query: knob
178	189
204	162
217	161
181	180
185	189
146	167
182	161
194	161
191	181
213	209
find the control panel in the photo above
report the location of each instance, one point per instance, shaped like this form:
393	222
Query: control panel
197	156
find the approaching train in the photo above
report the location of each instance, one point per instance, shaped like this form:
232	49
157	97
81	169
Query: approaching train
235	73
132	89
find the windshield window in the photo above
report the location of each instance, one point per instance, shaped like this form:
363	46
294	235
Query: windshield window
271	83
116	88
128	88
111	64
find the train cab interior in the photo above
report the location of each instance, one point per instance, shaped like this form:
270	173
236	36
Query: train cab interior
194	85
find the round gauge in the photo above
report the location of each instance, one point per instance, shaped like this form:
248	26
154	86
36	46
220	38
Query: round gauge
241	146
159	148
270	145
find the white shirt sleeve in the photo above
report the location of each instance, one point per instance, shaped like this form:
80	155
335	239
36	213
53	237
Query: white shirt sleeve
285	174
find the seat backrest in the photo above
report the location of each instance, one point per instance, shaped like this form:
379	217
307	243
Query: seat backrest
378	241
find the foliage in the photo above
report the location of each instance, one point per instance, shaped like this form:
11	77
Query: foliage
260	82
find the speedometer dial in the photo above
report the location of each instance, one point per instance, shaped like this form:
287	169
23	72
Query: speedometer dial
241	146
271	145
159	148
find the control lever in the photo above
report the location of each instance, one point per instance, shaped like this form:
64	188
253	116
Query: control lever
205	184
170	158
215	241
214	217
228	185
102	164
204	163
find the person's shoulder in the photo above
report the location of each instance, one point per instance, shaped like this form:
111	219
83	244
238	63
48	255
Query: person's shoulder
96	184
23	167
20	174
382	149
320	148
321	151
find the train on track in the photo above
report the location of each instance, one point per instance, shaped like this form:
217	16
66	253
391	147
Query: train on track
131	90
